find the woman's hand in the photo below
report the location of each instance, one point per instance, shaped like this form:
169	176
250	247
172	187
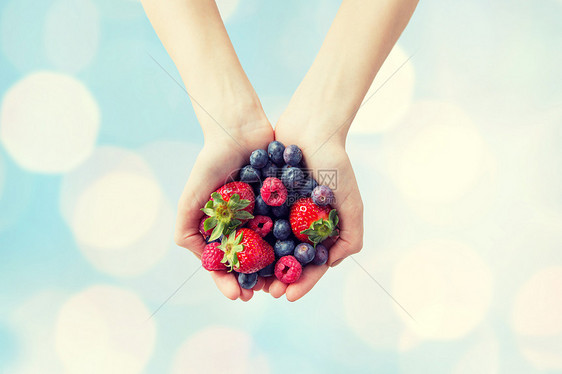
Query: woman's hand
225	150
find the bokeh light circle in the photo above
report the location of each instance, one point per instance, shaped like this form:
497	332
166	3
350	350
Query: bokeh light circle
203	351
389	97
49	122
445	286
71	34
117	212
104	329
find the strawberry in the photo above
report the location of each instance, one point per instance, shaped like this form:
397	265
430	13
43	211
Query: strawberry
230	206
246	252
212	256
312	223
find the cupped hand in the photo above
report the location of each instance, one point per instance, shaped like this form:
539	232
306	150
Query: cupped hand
224	151
325	153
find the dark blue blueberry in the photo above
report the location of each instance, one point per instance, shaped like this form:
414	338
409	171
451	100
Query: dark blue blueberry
292	155
261	208
322	195
275	151
247	281
249	174
292	177
280	211
281	229
259	158
321	255
304	253
292	197
267	271
283	248
306	188
270	170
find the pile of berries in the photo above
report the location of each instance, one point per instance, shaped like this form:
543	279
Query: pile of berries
270	222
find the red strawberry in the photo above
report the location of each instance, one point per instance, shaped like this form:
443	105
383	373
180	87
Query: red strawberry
229	207
312	223
246	252
212	256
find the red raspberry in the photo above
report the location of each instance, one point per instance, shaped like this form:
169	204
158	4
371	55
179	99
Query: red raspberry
205	234
273	191
212	256
261	224
288	269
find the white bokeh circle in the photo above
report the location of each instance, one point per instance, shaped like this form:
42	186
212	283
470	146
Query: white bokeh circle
71	34
482	358
227	8
537	318
438	156
49	122
446	286
207	352
118	214
389	97
104	329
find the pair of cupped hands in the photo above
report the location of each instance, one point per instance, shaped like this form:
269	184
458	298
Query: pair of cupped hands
228	147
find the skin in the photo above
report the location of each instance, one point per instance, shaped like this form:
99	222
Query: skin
317	118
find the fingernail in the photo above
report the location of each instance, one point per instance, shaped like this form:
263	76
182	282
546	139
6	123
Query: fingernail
337	262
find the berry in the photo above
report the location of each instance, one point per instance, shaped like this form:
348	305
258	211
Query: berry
292	177
229	207
270	170
206	233
261	224
212	256
273	192
304	252
247	281
281	211
307	187
312	223
292	155
281	229
261	208
246	252
267	271
284	248
321	255
249	174
275	151
323	195
259	158
293	197
288	270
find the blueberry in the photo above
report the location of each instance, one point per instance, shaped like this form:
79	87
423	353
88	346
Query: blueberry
270	170
283	248
280	211
261	208
281	229
292	155
267	271
322	195
275	151
321	255
304	252
247	281
292	197
292	177
306	188
259	158
250	174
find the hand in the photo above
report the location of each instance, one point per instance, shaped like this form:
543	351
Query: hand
223	152
324	152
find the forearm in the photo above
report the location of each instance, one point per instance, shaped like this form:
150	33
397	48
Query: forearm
358	42
194	35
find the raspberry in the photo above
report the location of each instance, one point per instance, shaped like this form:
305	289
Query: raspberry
288	269
212	256
261	224
273	191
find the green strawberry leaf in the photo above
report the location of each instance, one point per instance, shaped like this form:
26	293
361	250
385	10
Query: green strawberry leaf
242	214
210	223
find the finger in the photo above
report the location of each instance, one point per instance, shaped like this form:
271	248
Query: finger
310	276
267	284
277	288
259	285
227	284
350	239
246	295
